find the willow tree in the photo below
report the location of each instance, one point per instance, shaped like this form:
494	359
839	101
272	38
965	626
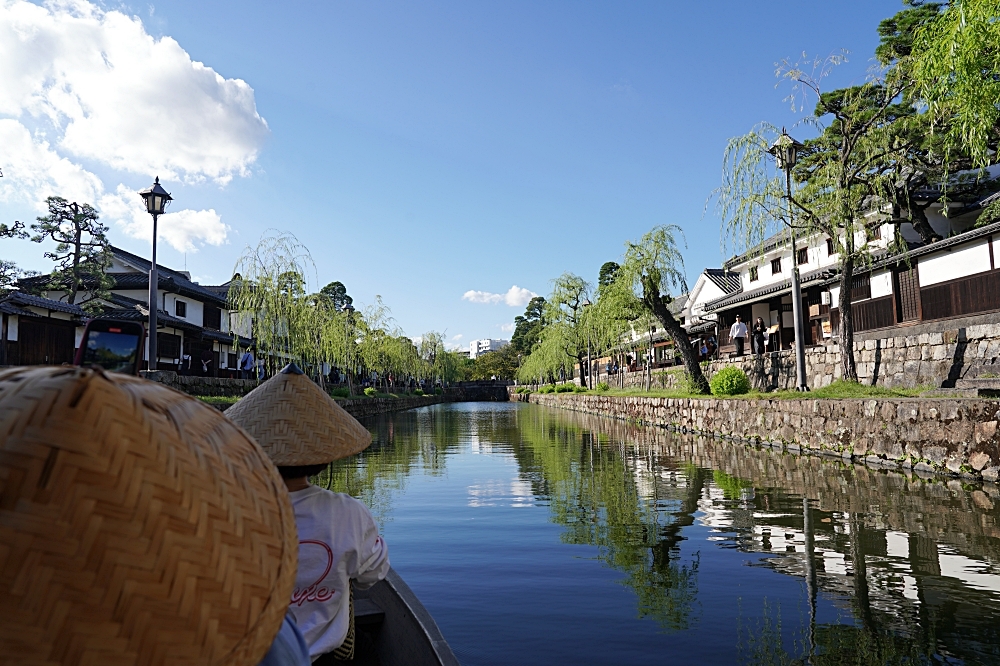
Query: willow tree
651	274
564	310
270	293
954	63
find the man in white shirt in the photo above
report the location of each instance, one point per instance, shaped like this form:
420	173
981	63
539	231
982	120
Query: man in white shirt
738	332
302	430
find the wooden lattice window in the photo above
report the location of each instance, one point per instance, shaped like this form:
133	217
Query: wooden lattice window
803	256
776	266
753	274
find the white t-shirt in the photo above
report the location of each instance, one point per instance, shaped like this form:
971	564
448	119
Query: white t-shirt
338	542
738	330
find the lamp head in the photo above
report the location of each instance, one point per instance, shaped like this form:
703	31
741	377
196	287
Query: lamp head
156	198
785	150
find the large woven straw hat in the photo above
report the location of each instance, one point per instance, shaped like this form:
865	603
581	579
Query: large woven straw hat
137	526
297	423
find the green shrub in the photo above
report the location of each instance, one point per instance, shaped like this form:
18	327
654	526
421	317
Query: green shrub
548	388
340	393
438	391
418	391
603	387
579	389
523	390
370	391
729	381
564	388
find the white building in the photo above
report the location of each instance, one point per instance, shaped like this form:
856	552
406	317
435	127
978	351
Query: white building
477	347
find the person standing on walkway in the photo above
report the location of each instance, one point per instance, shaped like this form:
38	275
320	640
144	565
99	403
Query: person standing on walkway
758	337
738	332
247	362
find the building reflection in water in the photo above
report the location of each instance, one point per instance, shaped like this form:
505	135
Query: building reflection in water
914	563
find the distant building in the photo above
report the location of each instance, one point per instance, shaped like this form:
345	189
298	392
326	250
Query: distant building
477	347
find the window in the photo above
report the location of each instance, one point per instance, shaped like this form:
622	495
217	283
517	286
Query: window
829	247
180	308
168	345
213	318
873	232
776	266
753	274
802	256
231	360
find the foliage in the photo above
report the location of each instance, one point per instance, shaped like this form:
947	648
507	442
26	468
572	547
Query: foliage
337	293
603	387
528	327
10	273
499	364
608	273
418	391
653	270
370	391
730	380
954	63
340	393
578	388
548	388
565	388
82	253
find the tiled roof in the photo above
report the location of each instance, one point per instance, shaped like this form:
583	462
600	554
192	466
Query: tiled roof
168	279
24	299
728	281
7	307
818	275
676	306
142	314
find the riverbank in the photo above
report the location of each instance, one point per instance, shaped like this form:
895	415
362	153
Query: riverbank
954	437
356	407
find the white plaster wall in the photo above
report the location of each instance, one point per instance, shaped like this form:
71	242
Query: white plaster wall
945	265
762	310
79	336
834	297
12	328
195	309
881	284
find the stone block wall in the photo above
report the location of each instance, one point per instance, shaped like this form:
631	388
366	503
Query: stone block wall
956	437
935	358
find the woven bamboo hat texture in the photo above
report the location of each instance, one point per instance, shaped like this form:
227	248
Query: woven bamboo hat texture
297	423
137	526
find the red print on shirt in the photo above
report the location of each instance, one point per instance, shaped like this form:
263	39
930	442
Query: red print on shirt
314	592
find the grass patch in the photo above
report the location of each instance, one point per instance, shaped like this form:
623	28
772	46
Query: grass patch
219	401
836	391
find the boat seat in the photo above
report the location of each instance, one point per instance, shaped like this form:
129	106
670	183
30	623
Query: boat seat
367	614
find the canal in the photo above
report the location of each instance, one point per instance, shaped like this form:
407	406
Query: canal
538	536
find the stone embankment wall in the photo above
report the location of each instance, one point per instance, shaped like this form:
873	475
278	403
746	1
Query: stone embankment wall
363	407
955	437
923	356
215	386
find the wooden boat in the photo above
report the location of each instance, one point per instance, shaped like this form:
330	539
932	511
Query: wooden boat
403	631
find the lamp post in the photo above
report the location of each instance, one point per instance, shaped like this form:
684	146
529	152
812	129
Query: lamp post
590	365
785	151
156	199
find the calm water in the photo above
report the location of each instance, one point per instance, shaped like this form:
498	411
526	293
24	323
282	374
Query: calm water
537	536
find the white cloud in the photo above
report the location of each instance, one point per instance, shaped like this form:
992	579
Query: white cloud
456	338
507	328
80	82
180	229
515	296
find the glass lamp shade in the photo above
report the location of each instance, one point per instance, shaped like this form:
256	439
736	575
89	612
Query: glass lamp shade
156	198
785	150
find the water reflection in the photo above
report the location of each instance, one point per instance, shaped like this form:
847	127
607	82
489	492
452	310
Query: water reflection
910	564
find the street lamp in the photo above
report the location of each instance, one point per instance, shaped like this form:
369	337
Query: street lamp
156	199
590	365
785	150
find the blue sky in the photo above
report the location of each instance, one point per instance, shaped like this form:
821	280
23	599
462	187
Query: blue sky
419	150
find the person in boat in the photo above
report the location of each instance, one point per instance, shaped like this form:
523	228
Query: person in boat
138	526
303	430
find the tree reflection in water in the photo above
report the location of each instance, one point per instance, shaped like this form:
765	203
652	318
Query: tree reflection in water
913	564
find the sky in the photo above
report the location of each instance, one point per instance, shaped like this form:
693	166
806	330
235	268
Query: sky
452	158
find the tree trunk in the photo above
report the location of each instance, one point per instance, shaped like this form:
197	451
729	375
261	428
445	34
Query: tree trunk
918	218
848	366
652	300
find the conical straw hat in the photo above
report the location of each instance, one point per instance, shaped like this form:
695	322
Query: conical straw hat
137	526
297	423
